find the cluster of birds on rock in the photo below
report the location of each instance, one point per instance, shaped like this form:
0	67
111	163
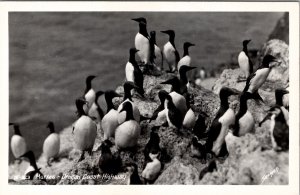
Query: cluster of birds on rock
121	126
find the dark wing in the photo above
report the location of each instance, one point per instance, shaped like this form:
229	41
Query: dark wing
100	111
175	117
213	133
281	135
250	66
248	81
236	127
177	57
139	80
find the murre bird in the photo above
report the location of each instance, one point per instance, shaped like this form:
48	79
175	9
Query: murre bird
128	86
89	93
159	112
178	99
134	178
244	61
257	79
33	169
156	55
225	117
51	144
108	163
281	97
84	130
95	110
134	73
170	52
152	145
244	121
17	143
110	122
127	133
186	59
199	129
152	169
198	150
141	41
173	114
279	129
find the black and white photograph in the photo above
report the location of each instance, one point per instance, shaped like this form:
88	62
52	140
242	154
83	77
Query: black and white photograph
155	97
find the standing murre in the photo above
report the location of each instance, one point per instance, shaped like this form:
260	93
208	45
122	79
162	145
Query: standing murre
244	121
186	59
95	110
170	52
244	61
108	163
159	111
51	144
220	125
89	93
279	129
173	114
133	72
84	130
257	79
156	55
152	145
17	143
152	169
32	170
110	122
141	41
134	178
128	86
128	132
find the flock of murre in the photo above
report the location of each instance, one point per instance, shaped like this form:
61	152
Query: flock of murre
121	126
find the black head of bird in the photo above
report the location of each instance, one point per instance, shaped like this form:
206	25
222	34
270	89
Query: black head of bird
174	82
268	59
16	128
140	19
110	94
153	135
279	93
51	126
153	35
184	69
79	105
171	34
162	95
90	78
225	92
275	110
187	45
105	146
108	143
245	42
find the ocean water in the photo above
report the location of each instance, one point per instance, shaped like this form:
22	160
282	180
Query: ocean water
50	55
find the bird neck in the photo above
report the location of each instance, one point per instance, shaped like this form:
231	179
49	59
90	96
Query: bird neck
51	129
143	30
17	131
279	101
185	50
243	105
127	95
172	40
88	86
129	115
109	103
245	49
132	59
224	103
80	110
183	77
280	117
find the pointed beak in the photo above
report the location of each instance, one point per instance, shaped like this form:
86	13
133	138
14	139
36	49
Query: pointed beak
235	91
192	67
135	19
193	44
11	124
163	31
118	95
137	50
